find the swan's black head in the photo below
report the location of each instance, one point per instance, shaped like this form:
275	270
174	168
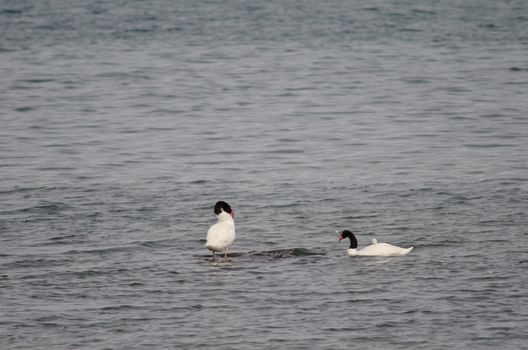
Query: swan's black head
348	234
223	206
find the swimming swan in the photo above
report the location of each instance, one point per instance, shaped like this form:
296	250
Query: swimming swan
375	249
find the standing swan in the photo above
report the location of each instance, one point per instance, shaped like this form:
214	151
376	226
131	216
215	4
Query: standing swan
222	234
375	249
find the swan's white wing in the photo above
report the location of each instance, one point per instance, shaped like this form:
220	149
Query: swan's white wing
383	249
220	236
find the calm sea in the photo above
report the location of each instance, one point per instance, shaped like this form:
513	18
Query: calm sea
122	122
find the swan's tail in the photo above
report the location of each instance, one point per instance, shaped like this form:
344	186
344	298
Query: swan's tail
406	251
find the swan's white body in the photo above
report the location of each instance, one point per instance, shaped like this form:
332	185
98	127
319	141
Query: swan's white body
380	249
222	234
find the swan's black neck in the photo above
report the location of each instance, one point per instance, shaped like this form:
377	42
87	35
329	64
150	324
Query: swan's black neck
353	241
222	206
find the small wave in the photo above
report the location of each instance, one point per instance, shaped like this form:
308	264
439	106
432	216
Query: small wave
488	145
11	12
286	151
61	240
37	81
198	182
154	244
110	250
423	12
22	189
35	262
139	30
45	208
276	253
120	307
24	109
370	9
289	252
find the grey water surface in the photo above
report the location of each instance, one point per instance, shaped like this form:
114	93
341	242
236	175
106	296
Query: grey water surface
123	122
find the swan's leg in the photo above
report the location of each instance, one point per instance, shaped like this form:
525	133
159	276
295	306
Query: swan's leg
225	255
214	256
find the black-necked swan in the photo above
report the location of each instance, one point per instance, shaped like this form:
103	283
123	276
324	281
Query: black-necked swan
375	249
222	234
